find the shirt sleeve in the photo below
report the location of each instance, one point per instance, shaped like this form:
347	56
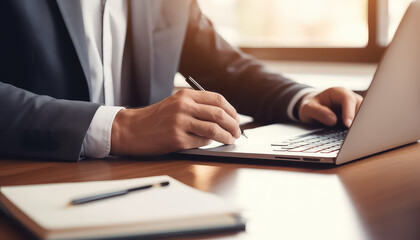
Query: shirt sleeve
97	142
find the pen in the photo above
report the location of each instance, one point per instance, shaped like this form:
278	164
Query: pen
197	86
115	193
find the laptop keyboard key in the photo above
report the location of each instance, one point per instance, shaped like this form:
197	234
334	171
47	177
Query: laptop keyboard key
325	141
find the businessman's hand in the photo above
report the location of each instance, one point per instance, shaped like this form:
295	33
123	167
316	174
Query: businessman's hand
187	119
325	106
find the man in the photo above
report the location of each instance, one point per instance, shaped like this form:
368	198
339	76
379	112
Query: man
66	66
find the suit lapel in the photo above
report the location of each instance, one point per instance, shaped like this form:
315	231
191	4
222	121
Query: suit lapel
72	15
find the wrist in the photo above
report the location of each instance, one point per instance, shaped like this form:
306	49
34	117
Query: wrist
117	133
97	142
293	106
297	107
302	101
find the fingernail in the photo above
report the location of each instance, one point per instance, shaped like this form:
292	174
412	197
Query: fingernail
348	122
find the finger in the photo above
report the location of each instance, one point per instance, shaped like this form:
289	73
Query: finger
211	131
214	99
315	111
195	141
218	115
348	106
359	102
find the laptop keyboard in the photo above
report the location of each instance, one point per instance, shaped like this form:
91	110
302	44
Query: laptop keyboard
323	141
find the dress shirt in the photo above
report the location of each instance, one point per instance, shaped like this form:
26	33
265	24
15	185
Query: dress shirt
105	23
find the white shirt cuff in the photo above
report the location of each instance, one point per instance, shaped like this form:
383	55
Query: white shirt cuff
97	142
296	99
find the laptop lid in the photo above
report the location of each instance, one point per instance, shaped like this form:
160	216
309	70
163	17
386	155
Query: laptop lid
388	117
390	113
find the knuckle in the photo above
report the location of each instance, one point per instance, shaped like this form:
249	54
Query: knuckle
352	99
182	93
342	89
235	112
218	114
332	90
181	105
219	99
212	130
338	90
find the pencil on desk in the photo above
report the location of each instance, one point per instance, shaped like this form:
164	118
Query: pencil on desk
115	193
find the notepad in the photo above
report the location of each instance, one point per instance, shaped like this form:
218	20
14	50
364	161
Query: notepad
176	209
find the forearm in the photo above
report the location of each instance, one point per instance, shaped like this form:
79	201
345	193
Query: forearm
40	126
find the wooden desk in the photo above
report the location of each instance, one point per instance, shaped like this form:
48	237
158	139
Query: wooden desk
377	198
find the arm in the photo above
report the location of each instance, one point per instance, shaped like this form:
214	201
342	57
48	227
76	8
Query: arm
252	89
40	126
189	119
244	81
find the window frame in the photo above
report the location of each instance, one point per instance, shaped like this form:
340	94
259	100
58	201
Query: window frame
371	53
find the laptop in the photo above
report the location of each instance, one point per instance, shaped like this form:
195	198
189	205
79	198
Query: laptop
389	116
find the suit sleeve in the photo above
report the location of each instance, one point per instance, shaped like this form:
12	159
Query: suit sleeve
37	126
240	78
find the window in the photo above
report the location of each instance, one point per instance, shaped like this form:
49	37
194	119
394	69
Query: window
285	23
396	10
326	30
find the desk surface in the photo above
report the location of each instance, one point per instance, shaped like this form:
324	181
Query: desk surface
377	198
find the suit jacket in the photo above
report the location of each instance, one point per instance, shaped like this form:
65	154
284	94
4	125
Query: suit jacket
44	89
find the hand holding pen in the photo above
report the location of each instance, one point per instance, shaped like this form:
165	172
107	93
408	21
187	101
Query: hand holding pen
194	84
187	119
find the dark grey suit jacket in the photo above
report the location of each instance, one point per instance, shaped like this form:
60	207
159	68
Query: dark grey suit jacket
44	71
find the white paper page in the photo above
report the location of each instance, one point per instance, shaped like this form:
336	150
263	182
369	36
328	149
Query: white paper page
47	204
260	136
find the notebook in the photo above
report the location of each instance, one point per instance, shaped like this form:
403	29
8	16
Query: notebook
173	210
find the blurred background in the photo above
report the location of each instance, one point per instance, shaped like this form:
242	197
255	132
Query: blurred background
335	27
322	43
